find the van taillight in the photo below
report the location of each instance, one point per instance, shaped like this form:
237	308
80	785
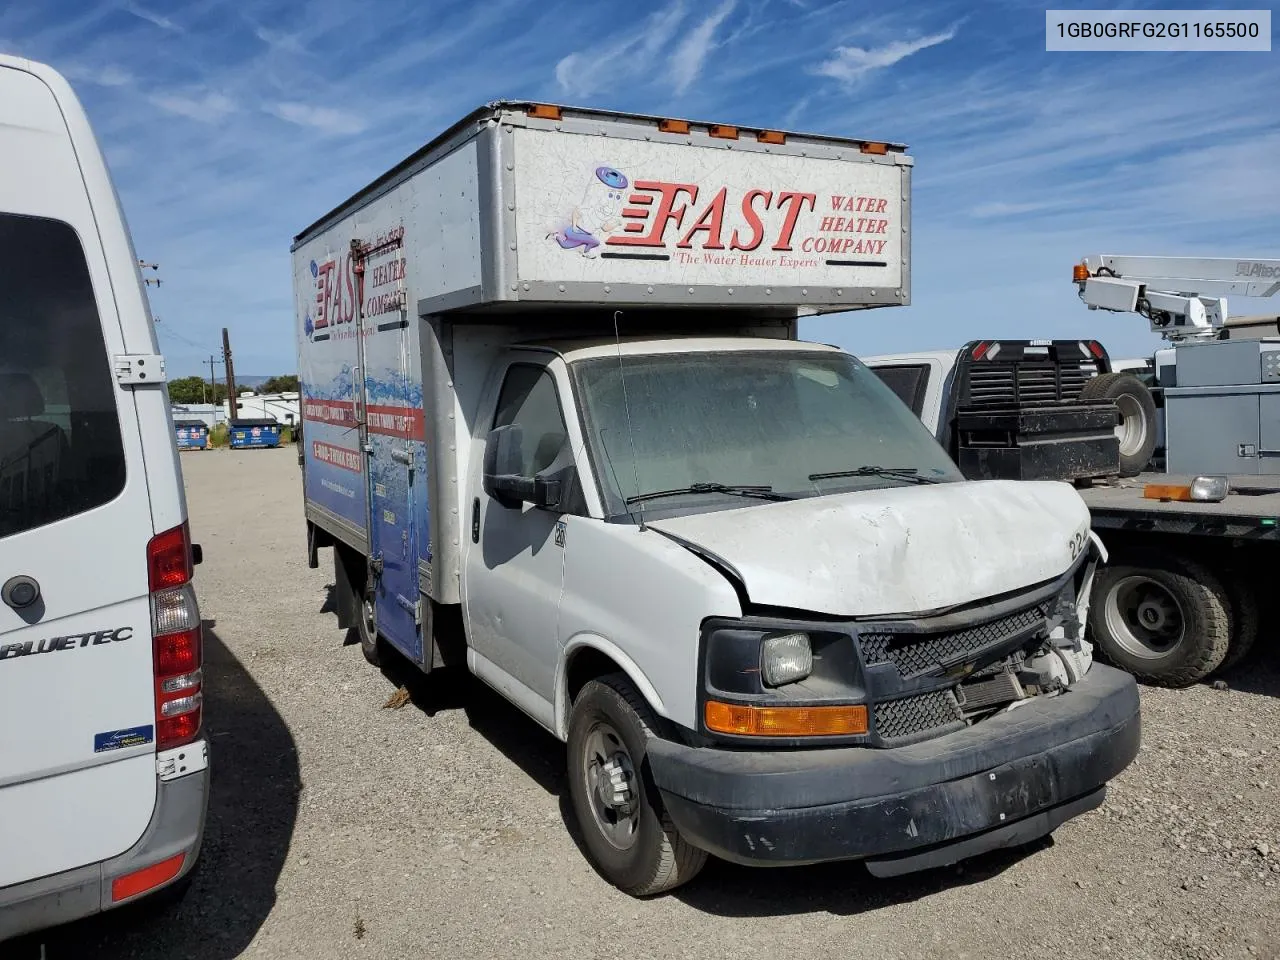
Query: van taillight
178	639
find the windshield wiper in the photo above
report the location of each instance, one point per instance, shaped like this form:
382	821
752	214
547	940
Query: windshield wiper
758	491
897	473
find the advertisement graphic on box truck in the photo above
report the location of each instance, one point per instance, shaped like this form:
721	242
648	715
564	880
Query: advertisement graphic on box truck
561	432
668	214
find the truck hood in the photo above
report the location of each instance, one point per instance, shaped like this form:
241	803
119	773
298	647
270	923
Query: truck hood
896	551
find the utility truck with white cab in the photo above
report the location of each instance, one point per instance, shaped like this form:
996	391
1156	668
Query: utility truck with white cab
560	430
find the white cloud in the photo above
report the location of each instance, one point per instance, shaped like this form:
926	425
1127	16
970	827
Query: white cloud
157	19
585	72
324	119
687	60
999	208
849	64
279	40
208	108
108	76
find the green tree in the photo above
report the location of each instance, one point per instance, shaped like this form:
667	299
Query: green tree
286	383
188	390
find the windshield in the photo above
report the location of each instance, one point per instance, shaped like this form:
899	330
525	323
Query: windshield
704	425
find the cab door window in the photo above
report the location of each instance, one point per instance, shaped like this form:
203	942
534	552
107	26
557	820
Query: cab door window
529	399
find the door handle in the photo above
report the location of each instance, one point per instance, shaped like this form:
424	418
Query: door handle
475	520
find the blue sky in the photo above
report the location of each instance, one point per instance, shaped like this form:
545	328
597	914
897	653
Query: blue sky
231	124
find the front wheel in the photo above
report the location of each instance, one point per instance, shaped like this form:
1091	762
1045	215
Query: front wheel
628	835
1165	620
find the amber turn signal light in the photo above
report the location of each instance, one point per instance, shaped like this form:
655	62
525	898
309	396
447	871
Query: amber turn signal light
748	721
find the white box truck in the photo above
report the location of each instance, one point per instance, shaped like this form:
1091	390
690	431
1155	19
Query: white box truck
104	777
558	427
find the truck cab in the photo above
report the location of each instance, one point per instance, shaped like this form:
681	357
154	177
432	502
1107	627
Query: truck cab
580	445
839	586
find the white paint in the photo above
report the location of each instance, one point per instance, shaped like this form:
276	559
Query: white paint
895	551
938	364
647	596
63	805
590	183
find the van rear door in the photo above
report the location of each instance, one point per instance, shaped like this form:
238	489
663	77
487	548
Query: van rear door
77	695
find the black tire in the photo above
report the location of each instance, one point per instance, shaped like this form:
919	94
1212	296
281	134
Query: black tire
643	853
1246	618
1132	615
367	628
1137	430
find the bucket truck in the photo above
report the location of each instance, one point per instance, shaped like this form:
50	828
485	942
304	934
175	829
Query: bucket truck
1189	533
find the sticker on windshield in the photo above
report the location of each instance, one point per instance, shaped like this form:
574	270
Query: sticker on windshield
122	739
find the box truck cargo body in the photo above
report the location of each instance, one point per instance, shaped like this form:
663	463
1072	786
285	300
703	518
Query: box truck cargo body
558	420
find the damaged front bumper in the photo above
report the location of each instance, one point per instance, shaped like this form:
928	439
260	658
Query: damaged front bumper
1002	782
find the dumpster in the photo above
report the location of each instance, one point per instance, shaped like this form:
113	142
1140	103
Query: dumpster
191	434
247	434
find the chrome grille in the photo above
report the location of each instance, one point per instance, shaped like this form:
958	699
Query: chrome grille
914	653
918	714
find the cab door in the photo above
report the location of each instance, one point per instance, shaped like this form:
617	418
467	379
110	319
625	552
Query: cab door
513	573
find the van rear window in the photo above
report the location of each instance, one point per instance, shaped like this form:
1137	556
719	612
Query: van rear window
60	447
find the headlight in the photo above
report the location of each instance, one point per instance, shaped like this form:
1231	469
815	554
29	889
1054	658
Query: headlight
785	658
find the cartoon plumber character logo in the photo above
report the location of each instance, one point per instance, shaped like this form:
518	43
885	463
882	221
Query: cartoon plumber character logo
596	215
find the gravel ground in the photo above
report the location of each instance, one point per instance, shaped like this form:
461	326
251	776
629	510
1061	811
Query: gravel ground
339	828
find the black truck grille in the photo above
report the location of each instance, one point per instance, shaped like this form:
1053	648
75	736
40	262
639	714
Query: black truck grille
915	715
1026	384
914	653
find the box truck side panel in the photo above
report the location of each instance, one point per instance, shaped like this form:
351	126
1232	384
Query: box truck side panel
662	221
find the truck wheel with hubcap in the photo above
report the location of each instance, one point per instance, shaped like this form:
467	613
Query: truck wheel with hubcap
367	627
1137	429
628	835
1165	620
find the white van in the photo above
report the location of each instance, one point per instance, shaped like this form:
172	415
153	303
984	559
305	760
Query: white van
104	773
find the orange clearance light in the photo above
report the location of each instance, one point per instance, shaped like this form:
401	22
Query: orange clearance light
771	136
544	111
1166	491
673	126
1080	273
723	132
748	721
140	881
877	148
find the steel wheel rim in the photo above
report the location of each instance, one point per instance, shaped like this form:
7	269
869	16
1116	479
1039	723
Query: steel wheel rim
1144	617
1132	429
370	613
608	775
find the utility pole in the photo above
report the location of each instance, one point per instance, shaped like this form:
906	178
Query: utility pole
233	408
211	388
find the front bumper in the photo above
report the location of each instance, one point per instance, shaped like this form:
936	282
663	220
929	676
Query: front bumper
1004	781
177	826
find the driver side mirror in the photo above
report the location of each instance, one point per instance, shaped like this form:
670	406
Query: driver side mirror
503	478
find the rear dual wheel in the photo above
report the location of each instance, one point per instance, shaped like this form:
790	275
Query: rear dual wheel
1172	622
367	627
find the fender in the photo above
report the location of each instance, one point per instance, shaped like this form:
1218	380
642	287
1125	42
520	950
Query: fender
614	653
